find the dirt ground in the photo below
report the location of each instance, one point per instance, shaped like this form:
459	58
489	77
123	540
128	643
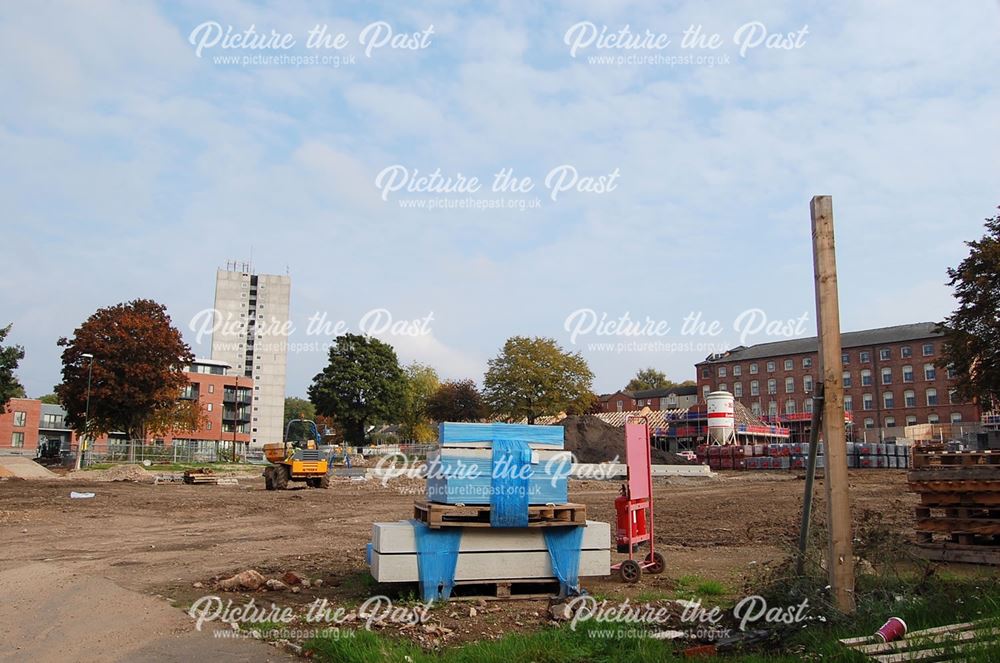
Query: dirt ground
159	540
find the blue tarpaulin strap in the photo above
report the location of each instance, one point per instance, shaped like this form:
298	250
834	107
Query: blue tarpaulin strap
511	473
437	557
564	554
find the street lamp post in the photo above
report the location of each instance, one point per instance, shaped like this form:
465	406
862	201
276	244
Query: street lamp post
86	414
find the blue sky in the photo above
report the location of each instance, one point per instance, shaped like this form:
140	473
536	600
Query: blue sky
132	168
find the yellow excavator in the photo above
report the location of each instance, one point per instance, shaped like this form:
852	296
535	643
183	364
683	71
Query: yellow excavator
305	460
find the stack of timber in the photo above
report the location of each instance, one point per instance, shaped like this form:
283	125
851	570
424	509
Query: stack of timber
496	515
941	643
958	519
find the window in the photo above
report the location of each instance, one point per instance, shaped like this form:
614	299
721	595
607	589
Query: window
754	388
211	388
848	403
906	352
807	405
952	373
865	357
929	372
619	405
772	409
722	371
869	423
907	373
890	422
753	369
209	407
866	378
888	400
933	419
790	406
17	439
845	358
208	425
722	386
953	397
789	385
52	421
704	391
910	398
932	397
886	376
706	372
772	386
911	420
738	389
807	362
885	354
770	367
928	349
19	418
807	384
755	408
737	371
847	379
867	402
956	417
789	364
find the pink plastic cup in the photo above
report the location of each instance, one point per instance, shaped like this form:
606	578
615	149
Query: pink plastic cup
894	629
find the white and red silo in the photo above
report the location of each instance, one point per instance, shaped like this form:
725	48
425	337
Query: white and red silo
721	410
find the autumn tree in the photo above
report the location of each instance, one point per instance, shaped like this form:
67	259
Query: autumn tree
421	383
138	372
457	401
532	377
972	331
10	356
361	385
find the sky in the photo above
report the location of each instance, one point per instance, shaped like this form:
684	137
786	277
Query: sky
661	174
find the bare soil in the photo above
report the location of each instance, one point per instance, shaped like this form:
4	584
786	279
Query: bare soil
158	540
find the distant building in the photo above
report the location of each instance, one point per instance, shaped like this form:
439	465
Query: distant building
19	425
252	338
889	375
670	398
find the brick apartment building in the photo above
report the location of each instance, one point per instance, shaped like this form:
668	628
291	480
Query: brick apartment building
225	403
890	377
655	399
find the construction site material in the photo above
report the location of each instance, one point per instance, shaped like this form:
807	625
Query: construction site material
939	643
487	554
793	456
470	435
24	468
466	476
207	476
539	515
610	471
634	507
591	440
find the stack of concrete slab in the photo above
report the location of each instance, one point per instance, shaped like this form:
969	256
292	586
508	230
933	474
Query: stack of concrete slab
486	554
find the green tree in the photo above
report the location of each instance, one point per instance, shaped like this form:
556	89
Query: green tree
138	371
50	399
972	331
532	377
651	378
421	383
298	408
361	385
10	356
457	401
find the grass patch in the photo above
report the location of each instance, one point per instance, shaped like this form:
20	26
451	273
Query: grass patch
692	586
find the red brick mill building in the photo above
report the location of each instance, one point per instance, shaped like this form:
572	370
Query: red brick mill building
890	378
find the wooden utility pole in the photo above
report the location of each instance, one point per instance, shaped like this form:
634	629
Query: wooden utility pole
840	555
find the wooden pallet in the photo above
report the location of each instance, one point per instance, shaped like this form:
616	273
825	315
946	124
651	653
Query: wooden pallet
437	515
952	552
944	643
511	590
923	459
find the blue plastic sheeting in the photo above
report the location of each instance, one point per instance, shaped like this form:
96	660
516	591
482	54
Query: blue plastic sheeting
368	554
564	554
437	556
455	434
509	491
463	479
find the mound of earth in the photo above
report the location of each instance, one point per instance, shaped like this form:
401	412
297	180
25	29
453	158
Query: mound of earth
117	473
594	441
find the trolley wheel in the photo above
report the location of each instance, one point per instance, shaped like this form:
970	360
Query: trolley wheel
630	571
269	478
657	561
281	476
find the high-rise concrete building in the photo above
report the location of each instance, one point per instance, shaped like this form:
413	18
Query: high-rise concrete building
251	335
